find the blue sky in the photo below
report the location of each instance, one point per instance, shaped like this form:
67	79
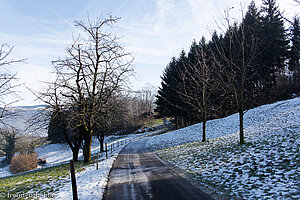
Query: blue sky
152	30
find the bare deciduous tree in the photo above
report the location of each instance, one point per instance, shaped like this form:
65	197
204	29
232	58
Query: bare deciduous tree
148	94
95	68
7	82
238	54
200	80
7	89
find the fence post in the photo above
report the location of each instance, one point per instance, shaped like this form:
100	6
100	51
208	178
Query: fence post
106	150
73	179
97	160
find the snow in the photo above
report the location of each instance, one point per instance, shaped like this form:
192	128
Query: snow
266	167
90	182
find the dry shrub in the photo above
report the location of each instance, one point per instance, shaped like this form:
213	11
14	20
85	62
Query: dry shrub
23	163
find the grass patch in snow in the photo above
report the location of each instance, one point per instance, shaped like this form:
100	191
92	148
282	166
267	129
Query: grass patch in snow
154	122
45	180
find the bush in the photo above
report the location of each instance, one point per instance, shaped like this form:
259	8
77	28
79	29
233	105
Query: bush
23	163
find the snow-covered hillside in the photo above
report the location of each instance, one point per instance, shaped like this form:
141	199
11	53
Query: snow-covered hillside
267	167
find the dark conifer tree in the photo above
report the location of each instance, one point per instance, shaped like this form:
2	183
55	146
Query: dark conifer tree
164	104
168	101
252	33
274	44
294	53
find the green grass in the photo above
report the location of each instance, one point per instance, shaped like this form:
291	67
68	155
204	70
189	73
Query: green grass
46	180
154	122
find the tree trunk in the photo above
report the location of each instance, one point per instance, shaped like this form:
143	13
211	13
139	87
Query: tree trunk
176	122
204	118
75	153
87	147
182	121
10	150
101	140
204	130
241	116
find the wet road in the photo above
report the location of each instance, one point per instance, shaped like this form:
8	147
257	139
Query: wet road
139	174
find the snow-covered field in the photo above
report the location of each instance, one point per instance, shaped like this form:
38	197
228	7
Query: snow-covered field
267	167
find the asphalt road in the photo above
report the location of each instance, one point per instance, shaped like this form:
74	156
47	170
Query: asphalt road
138	174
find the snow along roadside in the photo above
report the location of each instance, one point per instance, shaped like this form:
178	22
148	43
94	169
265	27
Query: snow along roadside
90	182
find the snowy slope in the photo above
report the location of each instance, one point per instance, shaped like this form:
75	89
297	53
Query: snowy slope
253	119
267	167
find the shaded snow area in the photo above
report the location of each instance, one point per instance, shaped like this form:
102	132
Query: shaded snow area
266	167
4	171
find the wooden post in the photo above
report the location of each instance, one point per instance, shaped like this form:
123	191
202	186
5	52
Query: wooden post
97	160
106	150
73	179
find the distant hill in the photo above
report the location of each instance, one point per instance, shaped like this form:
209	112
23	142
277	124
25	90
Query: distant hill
21	118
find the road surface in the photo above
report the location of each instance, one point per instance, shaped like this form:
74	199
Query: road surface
138	174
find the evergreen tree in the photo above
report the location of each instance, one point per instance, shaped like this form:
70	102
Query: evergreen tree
252	33
169	102
164	94
274	44
294	53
